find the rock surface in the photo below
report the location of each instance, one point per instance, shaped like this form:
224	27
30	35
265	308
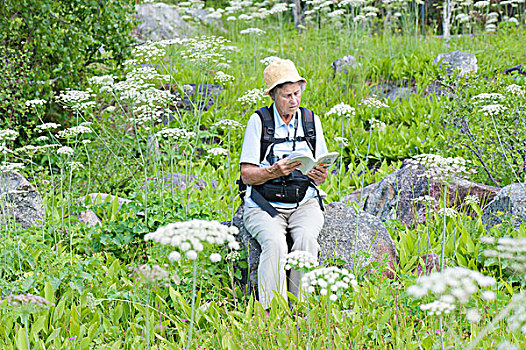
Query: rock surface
159	21
337	239
392	197
343	64
20	203
464	62
510	204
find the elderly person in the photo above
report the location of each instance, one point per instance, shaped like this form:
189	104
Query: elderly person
297	210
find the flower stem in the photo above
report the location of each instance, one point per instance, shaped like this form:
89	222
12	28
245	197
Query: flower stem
192	311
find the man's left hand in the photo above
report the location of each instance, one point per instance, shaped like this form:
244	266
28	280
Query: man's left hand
318	174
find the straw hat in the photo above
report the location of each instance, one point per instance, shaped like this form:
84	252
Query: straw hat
279	72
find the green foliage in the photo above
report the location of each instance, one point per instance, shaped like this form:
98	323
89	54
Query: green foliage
49	45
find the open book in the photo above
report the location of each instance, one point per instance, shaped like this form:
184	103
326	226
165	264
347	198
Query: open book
307	162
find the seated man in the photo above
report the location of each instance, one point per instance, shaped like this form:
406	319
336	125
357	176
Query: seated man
279	199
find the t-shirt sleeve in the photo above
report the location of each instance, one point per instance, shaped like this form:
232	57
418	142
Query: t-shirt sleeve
321	147
251	141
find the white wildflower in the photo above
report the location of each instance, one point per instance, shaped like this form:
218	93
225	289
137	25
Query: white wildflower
65	150
252	97
250	31
269	59
448	212
223	77
492	109
372	102
328	278
218	151
341	110
35	102
515	89
300	260
215	257
8	135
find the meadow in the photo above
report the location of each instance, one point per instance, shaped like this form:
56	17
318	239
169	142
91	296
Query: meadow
151	132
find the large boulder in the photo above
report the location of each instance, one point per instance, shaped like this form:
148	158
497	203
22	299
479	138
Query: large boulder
20	204
460	61
355	237
394	196
159	21
509	204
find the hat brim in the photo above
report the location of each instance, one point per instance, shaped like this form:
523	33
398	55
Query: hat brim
283	81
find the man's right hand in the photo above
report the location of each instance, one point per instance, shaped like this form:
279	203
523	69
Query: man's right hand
283	168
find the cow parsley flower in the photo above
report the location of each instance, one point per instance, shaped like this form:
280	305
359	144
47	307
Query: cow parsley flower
512	250
252	31
153	274
36	102
372	102
252	96
269	59
481	4
489	96
47	126
6	167
492	109
223	77
300	260
191	237
218	151
515	89
228	124
439	168
65	150
328	281
341	110
448	212
74	132
471	199
176	134
453	285
377	124
8	135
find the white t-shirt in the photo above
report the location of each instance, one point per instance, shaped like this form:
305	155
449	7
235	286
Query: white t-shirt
252	146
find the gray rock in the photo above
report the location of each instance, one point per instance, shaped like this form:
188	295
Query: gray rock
392	92
392	197
343	64
509	204
464	62
160	21
337	239
437	89
20	203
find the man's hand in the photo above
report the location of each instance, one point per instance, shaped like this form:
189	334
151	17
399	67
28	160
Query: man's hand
281	168
318	174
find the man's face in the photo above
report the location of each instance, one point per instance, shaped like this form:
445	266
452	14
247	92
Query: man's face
288	99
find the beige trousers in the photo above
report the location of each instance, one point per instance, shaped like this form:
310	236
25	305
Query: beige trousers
303	224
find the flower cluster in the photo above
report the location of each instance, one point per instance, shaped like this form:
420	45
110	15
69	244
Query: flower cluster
270	59
223	77
328	280
492	109
8	135
204	50
515	89
425	200
453	285
341	110
154	274
513	250
74	132
300	260
448	212
190	237
377	124
48	126
9	167
342	141
65	150
176	134
218	151
372	102
439	168
252	96
35	102
76	100
494	96
517	319
250	31
228	124
471	199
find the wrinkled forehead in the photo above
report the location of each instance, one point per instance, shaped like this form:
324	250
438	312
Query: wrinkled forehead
288	88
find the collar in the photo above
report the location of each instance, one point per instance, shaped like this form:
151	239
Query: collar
278	121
